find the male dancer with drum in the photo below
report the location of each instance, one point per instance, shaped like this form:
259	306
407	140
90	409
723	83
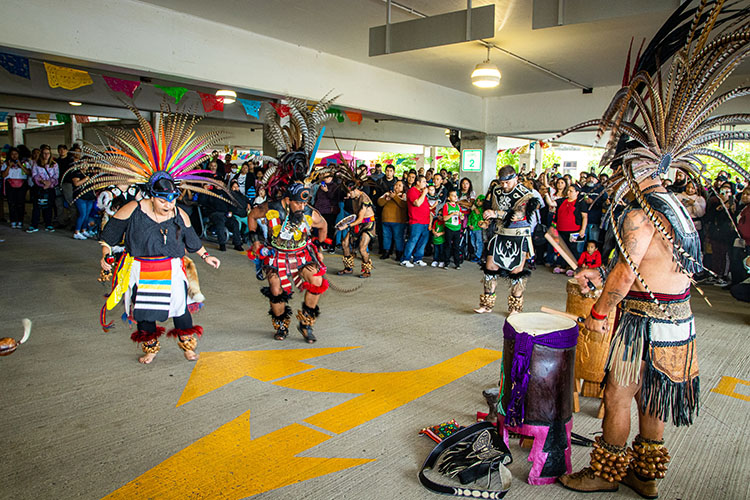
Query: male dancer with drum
508	206
655	129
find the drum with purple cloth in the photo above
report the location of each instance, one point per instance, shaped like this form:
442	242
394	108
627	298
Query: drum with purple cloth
536	395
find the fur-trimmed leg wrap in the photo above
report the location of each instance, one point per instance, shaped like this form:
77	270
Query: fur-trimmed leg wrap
276	299
515	304
144	336
151	347
348	264
489	281
608	461
487	300
187	339
366	269
307	315
282	320
315	290
650	458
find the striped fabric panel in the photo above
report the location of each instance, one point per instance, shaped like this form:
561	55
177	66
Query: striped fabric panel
154	285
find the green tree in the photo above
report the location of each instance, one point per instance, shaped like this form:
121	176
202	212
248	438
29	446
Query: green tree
507	158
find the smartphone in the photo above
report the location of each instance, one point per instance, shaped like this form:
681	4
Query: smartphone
574	237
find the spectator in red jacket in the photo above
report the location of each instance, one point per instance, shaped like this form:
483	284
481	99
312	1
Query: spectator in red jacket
591	258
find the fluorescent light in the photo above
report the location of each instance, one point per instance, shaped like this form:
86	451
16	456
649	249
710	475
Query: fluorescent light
74	103
229	95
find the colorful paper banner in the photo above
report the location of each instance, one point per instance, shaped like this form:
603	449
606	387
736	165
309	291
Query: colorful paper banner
15	65
42	118
281	109
211	102
62	117
67	78
176	92
82	118
3	116
336	113
252	108
22	117
354	116
127	87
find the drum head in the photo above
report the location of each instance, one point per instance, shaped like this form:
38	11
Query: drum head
539	323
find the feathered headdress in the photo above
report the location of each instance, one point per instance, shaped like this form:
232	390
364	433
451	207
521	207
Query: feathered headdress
295	130
143	155
663	119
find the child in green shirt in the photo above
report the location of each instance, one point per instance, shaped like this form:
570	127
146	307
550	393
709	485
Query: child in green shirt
475	229
438	238
453	217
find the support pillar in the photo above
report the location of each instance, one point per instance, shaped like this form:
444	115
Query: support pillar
538	157
73	132
15	131
488	145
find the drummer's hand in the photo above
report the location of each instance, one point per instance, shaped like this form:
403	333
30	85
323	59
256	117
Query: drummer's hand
583	276
255	249
596	325
105	266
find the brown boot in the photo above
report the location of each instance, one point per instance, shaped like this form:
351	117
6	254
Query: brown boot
645	488
585	480
650	460
609	464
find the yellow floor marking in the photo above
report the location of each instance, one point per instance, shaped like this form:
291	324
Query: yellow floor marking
216	369
228	464
726	387
382	392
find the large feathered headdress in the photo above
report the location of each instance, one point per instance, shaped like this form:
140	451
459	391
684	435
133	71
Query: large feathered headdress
295	130
143	155
664	118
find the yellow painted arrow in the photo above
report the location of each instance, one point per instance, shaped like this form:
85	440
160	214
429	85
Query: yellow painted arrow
228	464
217	369
382	392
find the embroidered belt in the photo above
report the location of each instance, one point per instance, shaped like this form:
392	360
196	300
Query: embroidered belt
641	304
513	231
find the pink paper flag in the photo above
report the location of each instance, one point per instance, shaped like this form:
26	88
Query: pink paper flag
127	87
22	117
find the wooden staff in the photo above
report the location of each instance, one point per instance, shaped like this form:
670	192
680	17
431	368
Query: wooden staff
549	310
554	239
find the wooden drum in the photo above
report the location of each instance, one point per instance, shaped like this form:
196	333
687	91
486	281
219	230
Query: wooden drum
593	347
536	398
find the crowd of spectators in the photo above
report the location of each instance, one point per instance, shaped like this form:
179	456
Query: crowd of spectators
424	217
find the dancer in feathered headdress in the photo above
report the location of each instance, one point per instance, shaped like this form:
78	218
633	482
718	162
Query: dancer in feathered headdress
151	274
290	254
664	119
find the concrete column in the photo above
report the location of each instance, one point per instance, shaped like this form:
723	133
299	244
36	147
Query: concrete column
433	155
488	145
538	157
73	132
15	131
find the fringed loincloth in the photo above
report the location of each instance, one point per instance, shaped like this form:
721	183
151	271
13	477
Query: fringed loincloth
288	264
644	333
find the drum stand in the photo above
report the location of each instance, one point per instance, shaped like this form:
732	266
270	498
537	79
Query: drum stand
588	389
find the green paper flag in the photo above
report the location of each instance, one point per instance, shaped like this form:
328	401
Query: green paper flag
62	117
337	113
176	92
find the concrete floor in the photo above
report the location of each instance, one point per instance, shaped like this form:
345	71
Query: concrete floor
84	420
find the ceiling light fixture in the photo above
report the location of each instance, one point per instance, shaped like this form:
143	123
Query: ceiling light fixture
229	95
485	74
74	103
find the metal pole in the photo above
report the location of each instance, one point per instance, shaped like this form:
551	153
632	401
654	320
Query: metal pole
388	27
468	20
560	12
535	65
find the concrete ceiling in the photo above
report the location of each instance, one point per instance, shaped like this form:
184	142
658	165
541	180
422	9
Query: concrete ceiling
590	53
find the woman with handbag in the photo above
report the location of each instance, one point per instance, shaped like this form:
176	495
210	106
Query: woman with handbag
15	173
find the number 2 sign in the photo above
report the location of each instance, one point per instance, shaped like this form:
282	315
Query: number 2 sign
471	160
